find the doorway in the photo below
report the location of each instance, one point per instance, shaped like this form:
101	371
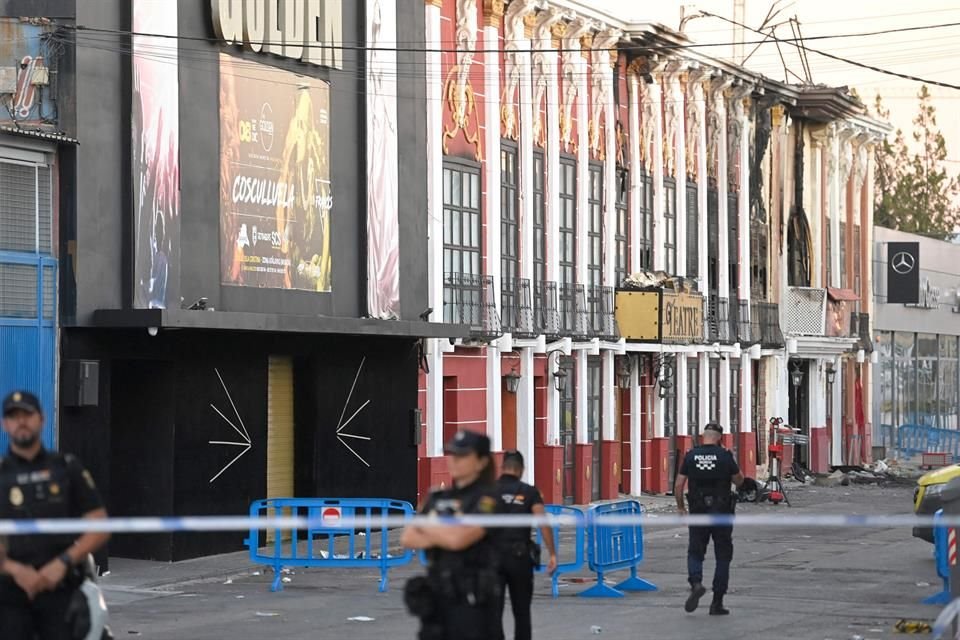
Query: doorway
568	428
799	418
735	406
594	418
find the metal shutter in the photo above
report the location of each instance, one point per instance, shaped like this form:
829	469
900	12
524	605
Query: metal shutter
279	430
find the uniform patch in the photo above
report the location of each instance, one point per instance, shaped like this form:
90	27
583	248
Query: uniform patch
54	489
705	462
16	496
487	504
89	479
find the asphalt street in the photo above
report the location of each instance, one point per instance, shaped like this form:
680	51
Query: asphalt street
795	582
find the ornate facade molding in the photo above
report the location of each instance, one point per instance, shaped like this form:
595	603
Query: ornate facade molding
716	122
736	125
436	3
673	112
602	81
542	70
459	92
492	13
514	32
694	98
571	77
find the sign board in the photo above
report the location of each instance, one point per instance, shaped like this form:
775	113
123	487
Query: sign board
331	516
660	316
903	272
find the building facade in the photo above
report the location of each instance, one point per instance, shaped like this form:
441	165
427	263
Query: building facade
596	188
917	375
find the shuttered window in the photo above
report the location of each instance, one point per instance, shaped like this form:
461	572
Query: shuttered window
280	428
26	216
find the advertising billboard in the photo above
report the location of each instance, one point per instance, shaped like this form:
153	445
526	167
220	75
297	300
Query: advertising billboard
275	192
155	155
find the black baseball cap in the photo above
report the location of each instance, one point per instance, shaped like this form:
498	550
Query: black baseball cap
713	426
23	400
466	442
513	457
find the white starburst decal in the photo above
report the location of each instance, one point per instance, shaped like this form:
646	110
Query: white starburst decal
241	430
341	425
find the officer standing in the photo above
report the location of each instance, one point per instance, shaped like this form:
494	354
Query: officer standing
41	574
457	600
519	555
710	469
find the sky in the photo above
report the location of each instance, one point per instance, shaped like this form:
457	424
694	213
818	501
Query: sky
932	54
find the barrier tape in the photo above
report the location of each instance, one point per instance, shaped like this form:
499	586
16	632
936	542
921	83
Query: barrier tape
246	523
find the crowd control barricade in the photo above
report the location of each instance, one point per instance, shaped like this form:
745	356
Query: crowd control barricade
565	564
611	547
364	544
917	439
944	542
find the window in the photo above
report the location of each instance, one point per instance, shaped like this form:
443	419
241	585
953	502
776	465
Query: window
693	229
693	395
594	389
539	220
886	371
733	242
461	236
509	206
843	255
595	230
621	261
947	385
26	208
829	251
734	396
670	226
568	220
856	260
927	352
645	212
670	401
905	379
758	260
713	240
714	399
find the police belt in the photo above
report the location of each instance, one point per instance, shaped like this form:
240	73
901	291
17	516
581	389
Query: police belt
712	502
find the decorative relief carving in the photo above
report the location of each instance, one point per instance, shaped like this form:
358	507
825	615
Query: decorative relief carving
542	70
602	80
492	12
694	99
571	76
514	32
460	97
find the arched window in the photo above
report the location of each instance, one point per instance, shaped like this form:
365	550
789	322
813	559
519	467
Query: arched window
798	249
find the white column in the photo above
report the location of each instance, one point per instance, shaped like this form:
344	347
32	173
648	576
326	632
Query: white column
744	202
682	392
610	178
723	248
725	393
636	432
609	397
702	188
836	206
525	413
636	161
815	181
434	105
659	411
655	95
837	444
491	43
580	400
705	416
680	172
746	393
526	162
583	172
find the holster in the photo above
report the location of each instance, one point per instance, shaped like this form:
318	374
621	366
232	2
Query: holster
420	598
536	554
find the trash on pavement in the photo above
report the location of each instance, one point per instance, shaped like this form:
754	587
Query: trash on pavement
286	579
267	614
361	619
912	626
596	630
229	581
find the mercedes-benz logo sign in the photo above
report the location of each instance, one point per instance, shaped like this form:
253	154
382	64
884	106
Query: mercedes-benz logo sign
903	262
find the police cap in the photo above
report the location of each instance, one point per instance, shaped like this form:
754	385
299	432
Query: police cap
466	442
23	401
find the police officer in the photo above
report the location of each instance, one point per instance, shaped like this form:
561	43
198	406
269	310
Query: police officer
457	600
41	575
710	469
519	555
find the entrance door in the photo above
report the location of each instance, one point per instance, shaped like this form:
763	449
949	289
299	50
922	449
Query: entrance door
670	424
594	413
568	429
508	414
800	407
735	406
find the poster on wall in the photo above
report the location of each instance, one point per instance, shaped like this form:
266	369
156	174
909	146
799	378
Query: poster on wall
383	206
155	155
275	193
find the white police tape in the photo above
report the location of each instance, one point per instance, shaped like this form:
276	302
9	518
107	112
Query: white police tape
246	523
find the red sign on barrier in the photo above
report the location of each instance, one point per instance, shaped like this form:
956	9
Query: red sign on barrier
331	516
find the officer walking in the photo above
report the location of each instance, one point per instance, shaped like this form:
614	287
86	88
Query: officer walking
519	555
457	600
710	469
40	576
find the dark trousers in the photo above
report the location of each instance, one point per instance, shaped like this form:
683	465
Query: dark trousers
460	621
722	549
516	574
42	619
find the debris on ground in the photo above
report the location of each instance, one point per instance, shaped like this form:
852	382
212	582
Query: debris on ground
361	619
267	614
912	626
595	630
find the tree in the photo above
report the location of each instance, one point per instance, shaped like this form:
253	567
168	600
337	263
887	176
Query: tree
914	192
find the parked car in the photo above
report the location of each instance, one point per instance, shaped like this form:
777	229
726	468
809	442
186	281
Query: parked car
926	497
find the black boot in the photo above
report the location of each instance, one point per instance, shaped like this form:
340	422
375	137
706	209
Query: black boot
697	590
716	607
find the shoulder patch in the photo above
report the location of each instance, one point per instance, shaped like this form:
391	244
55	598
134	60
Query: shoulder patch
487	504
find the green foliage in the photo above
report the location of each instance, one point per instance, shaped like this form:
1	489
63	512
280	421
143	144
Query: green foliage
913	191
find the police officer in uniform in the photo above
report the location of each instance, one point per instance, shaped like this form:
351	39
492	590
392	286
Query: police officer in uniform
457	600
710	469
519	555
40	575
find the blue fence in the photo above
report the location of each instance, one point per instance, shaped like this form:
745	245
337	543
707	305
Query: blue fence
565	565
317	547
615	547
940	558
916	439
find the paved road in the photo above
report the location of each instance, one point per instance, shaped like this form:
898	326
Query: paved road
796	583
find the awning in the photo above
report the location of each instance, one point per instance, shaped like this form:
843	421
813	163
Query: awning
842	295
50	136
271	322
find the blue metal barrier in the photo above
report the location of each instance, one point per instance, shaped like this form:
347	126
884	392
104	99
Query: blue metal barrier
614	547
916	439
577	562
941	559
319	543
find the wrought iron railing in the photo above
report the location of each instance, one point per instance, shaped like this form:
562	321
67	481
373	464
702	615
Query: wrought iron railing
603	325
469	300
766	323
516	302
718	319
745	334
546	309
574	311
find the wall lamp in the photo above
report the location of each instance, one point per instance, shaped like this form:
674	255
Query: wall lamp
796	375
560	376
831	373
512	379
623	372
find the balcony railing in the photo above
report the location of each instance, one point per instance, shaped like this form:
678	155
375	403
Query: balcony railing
516	300
766	325
574	311
603	325
546	310
805	311
740	323
718	319
469	300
